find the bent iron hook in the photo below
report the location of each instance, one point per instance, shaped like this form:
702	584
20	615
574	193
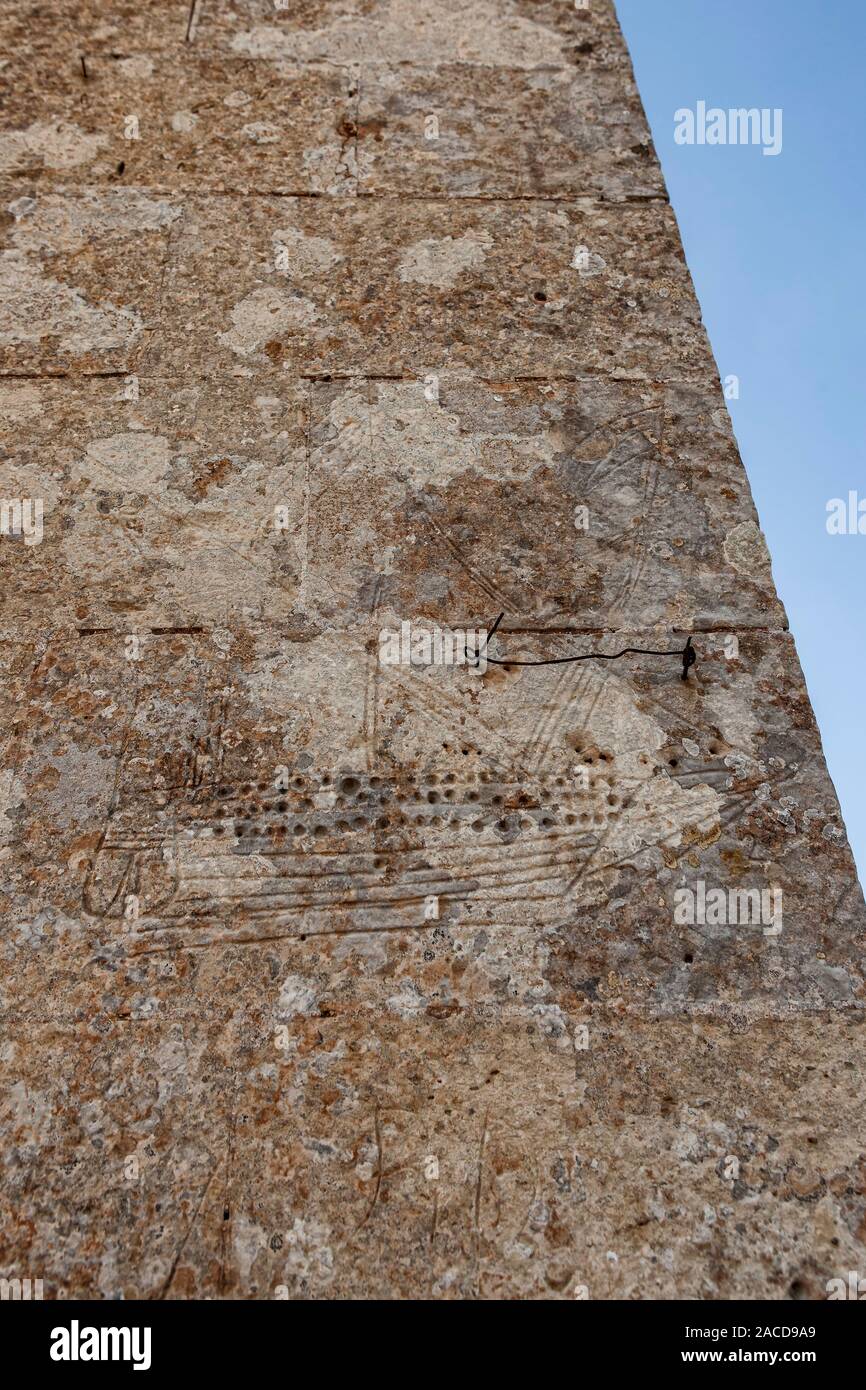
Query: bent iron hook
688	655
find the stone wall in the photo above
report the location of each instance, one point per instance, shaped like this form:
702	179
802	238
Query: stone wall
326	976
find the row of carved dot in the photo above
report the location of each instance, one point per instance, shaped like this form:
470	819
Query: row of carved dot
352	786
254	808
361	823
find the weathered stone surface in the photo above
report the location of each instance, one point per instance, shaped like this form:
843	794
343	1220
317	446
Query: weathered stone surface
368	286
504	132
158	511
318	1168
80	278
194	121
379	286
181	122
324	976
84	27
469	504
155	506
486	33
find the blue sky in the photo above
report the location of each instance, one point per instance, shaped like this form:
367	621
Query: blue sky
777	246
